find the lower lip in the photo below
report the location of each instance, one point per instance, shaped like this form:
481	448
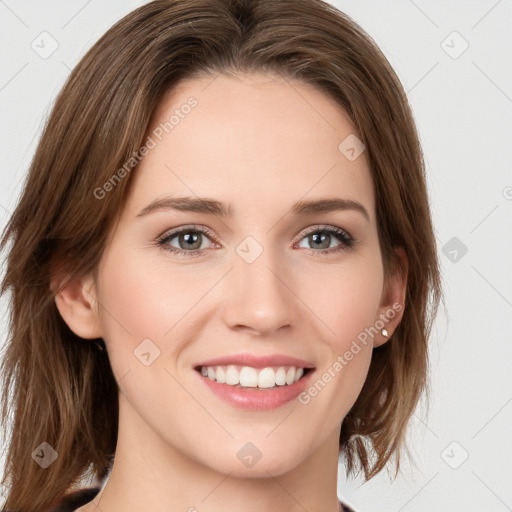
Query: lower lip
257	399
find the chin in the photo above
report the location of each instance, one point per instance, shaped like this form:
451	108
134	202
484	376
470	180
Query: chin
248	461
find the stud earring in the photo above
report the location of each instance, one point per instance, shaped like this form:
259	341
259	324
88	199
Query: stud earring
384	333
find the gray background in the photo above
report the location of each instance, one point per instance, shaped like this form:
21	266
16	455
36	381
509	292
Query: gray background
462	102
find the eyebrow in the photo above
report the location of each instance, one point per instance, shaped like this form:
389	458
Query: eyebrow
209	206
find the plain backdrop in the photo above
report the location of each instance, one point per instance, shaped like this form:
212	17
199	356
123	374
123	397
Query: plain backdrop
453	58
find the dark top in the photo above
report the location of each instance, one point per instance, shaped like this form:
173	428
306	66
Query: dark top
76	499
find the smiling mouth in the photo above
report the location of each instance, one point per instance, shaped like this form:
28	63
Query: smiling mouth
256	379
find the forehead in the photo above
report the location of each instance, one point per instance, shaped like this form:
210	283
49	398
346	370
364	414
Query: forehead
249	140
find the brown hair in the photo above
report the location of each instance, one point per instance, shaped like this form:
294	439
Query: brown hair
63	389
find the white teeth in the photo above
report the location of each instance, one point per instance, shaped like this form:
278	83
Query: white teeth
281	376
232	376
220	375
266	378
249	377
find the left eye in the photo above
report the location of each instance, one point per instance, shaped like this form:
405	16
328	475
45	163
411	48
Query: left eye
321	236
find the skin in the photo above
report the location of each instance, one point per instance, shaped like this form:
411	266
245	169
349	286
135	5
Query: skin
259	143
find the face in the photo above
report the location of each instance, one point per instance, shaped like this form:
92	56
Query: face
180	287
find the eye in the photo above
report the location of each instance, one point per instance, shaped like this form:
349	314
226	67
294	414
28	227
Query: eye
189	239
321	237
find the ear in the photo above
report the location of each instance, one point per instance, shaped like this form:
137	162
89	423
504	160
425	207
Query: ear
392	303
75	298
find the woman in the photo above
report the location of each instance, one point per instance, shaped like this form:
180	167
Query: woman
170	304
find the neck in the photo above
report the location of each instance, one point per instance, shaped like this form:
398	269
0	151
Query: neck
150	474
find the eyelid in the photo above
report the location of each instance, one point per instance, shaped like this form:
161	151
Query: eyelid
192	227
324	227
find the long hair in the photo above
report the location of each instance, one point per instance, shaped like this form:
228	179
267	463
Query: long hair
58	388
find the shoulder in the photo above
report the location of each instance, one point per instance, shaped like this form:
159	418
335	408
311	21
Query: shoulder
76	499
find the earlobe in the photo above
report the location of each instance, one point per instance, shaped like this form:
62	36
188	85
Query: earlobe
76	301
393	299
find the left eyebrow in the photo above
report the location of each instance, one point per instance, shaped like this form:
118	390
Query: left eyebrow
213	207
329	205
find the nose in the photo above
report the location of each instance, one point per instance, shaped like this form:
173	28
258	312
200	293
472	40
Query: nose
259	295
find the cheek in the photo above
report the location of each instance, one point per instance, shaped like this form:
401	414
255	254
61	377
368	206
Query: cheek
136	305
141	297
346	298
358	305
143	308
348	305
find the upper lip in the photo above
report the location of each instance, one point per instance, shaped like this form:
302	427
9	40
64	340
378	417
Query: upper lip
257	361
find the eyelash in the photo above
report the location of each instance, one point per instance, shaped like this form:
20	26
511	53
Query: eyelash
347	241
